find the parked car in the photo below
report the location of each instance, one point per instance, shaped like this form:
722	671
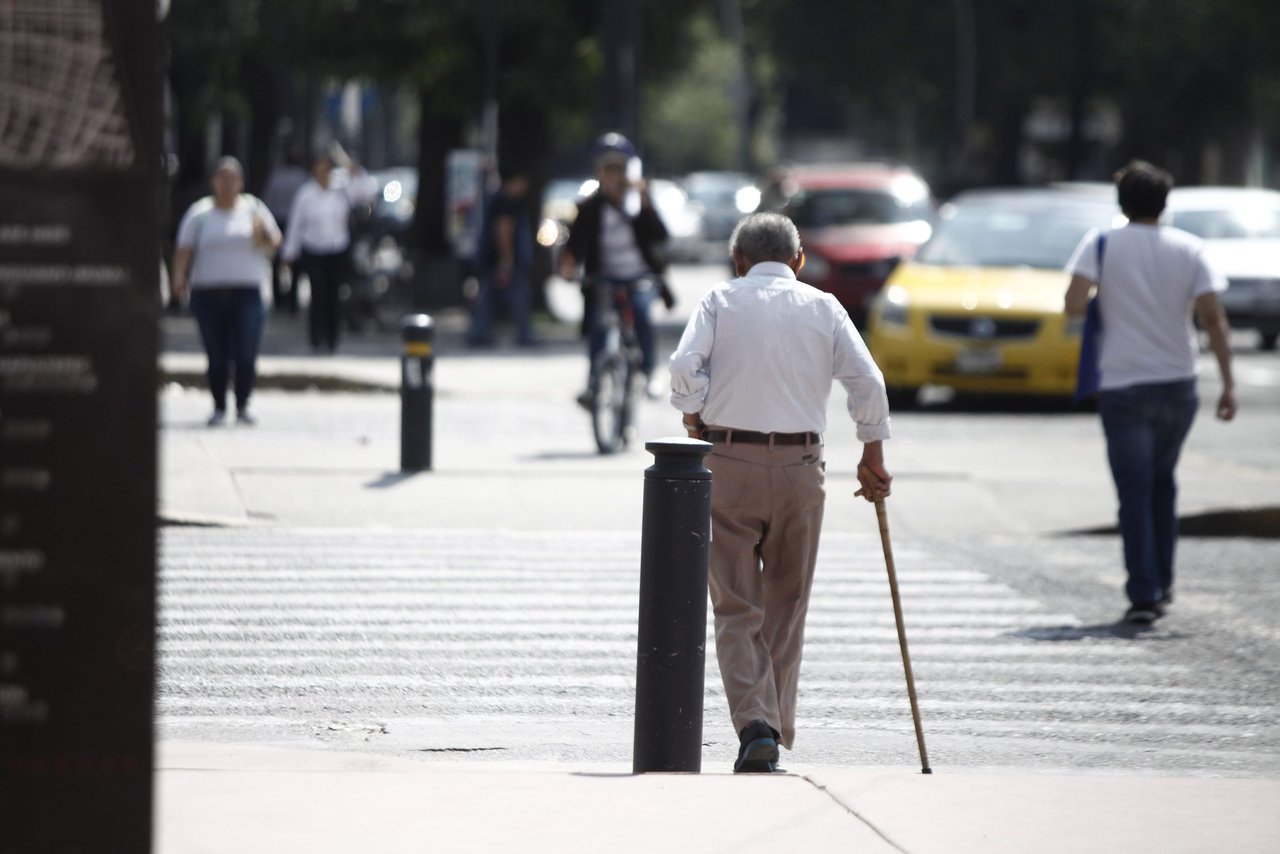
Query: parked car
1241	232
724	197
682	218
856	223
980	307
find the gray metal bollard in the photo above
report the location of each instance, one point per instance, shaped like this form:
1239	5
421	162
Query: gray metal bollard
417	391
671	649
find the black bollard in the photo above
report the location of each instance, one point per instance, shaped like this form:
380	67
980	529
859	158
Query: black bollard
417	391
671	649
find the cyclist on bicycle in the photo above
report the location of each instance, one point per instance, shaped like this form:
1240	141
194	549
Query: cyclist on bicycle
618	238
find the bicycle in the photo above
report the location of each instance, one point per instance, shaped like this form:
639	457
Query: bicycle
616	372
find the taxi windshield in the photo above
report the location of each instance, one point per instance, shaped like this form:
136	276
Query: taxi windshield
993	235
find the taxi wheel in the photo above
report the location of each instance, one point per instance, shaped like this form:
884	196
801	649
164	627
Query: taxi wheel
901	397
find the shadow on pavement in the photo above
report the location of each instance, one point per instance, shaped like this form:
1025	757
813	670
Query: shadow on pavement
561	456
390	479
1260	522
1102	631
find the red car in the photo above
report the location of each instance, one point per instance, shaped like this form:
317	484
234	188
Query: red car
856	222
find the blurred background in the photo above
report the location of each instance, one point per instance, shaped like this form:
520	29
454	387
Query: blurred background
732	104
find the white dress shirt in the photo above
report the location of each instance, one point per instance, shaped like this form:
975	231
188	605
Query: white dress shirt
761	352
318	218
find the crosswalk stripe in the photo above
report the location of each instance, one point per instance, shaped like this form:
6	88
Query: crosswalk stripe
286	627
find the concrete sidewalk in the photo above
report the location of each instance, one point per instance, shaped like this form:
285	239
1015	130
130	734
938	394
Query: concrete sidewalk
213	799
244	799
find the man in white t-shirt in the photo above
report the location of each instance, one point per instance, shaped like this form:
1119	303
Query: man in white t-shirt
1150	279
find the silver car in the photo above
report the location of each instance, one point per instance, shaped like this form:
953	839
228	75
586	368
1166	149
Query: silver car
1240	228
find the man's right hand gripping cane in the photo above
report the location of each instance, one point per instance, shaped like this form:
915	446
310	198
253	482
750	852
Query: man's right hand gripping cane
873	477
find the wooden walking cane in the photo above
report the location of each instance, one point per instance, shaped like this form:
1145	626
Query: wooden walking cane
883	517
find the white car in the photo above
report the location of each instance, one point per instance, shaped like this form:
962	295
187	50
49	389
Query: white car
682	218
1240	228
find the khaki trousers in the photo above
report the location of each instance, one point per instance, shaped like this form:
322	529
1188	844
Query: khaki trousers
766	517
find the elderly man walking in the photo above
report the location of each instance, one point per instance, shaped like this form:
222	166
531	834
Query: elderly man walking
752	375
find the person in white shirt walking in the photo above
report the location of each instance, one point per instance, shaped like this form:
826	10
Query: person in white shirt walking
224	246
752	374
318	240
1150	279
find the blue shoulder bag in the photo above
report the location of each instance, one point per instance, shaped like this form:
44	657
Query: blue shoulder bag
1088	374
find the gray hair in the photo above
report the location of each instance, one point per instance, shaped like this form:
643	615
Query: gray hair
765	237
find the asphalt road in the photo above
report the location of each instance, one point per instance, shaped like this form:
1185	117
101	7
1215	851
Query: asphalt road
486	609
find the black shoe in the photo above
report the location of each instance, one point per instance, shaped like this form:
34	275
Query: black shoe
1143	613
758	753
1167	599
587	400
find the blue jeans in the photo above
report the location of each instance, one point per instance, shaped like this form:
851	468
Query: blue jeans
1145	426
641	299
230	321
515	296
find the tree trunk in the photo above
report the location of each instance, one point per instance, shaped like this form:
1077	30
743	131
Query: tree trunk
1081	89
1007	158
438	275
265	111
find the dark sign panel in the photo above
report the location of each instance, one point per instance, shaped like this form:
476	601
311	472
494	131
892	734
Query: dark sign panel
80	181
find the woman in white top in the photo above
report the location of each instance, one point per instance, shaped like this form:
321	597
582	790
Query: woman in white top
223	258
318	240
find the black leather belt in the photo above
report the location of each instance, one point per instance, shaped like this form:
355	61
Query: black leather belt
751	437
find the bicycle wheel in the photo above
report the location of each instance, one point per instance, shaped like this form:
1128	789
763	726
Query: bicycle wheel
609	411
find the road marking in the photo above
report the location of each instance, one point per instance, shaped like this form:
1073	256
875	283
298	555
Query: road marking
300	626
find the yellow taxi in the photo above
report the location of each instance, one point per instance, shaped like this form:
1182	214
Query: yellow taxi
979	309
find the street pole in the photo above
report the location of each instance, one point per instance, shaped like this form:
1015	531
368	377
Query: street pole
735	32
620	23
671	646
417	392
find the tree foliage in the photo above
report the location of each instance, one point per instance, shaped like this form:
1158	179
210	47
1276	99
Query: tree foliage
1183	74
906	78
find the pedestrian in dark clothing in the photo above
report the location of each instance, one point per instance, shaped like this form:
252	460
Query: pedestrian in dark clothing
504	261
753	373
1149	277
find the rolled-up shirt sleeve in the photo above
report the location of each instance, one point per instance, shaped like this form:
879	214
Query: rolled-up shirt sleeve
689	375
861	377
